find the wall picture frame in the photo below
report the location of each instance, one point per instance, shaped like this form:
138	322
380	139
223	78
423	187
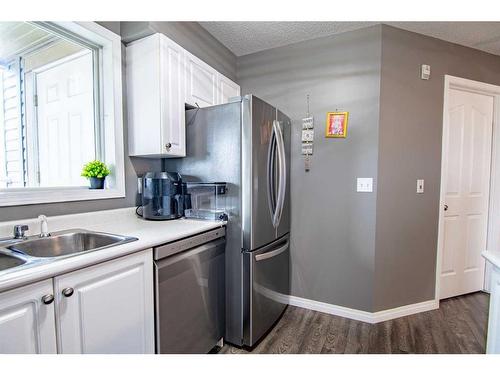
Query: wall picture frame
336	124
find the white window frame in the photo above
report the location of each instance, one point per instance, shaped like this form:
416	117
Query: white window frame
111	117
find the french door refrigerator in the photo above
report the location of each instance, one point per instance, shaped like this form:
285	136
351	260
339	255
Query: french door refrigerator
246	143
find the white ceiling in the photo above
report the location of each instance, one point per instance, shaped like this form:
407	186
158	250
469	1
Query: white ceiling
243	38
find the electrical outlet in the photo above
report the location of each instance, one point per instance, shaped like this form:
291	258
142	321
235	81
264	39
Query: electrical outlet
420	186
364	185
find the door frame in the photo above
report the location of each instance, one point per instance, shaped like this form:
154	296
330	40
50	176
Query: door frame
493	230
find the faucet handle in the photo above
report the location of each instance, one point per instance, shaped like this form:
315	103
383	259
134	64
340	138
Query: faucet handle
19	231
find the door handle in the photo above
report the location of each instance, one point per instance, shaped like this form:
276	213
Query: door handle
273	253
271	189
282	173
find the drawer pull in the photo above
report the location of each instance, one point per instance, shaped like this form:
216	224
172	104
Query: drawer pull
273	253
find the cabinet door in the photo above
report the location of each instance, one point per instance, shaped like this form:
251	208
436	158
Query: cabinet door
27	325
226	89
109	308
172	104
143	97
201	82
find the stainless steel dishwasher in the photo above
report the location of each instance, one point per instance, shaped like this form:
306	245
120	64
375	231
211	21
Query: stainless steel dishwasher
190	293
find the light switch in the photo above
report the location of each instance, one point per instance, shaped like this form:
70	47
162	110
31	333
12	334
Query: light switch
365	185
425	72
420	186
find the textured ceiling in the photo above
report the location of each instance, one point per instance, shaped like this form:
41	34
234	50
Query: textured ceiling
243	38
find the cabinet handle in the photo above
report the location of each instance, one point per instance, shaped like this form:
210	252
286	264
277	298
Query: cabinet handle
67	292
168	145
446	207
48	299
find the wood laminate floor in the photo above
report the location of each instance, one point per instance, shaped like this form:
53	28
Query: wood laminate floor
458	326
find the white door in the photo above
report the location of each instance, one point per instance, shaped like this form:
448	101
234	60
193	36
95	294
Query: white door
226	89
201	82
467	153
172	104
27	324
107	308
65	120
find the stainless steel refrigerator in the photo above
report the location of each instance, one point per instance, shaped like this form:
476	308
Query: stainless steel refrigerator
246	143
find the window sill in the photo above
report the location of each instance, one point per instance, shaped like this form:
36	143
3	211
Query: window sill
19	197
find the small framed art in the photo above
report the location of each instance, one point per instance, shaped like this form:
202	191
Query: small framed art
336	124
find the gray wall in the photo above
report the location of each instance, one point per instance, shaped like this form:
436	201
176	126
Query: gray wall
333	227
114	26
191	36
411	113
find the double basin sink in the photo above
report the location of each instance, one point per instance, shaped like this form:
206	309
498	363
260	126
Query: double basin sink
14	253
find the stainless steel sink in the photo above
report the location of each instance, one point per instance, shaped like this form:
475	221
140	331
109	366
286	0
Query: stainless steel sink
7	261
68	242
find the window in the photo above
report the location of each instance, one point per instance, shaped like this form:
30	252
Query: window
60	107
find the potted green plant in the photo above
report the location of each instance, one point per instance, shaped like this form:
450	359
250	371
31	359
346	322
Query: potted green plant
96	171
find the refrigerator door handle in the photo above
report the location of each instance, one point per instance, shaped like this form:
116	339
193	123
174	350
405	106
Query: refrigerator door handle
271	188
272	253
280	142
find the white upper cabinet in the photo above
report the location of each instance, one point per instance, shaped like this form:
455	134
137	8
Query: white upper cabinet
162	78
155	93
227	89
201	82
27	324
172	90
107	308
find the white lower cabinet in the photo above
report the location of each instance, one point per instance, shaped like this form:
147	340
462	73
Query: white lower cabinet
26	323
106	308
493	340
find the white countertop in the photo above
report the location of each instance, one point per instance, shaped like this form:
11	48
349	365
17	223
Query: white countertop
493	257
122	221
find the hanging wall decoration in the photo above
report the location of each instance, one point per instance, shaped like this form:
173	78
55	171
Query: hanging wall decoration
336	124
307	138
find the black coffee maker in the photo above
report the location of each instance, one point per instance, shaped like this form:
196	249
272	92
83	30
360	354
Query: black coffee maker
164	196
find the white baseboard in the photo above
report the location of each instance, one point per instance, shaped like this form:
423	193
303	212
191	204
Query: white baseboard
398	312
364	316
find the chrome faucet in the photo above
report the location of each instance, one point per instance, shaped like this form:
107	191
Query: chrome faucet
44	230
18	235
19	231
